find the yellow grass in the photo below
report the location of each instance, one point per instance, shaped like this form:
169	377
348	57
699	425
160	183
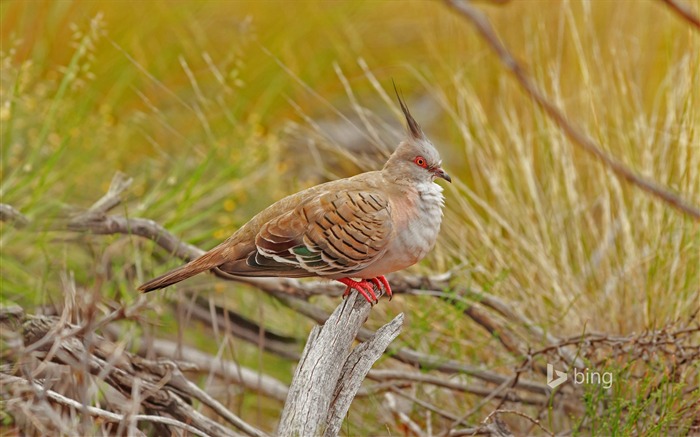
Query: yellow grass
219	108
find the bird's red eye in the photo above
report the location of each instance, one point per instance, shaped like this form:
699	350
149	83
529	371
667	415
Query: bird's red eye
421	161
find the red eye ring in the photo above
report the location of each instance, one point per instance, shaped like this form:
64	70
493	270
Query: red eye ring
421	162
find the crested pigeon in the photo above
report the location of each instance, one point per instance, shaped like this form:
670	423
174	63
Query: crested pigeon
353	230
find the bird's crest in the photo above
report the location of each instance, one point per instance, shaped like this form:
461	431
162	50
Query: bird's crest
413	126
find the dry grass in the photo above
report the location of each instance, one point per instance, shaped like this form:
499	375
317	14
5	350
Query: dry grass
217	109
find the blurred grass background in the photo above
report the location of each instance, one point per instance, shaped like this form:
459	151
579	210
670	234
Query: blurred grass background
216	109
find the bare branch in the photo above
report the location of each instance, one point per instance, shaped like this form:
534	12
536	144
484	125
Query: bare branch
494	429
507	338
395	407
10	214
120	182
684	12
521	414
574	133
107	225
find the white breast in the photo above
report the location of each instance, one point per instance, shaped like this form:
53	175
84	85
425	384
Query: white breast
417	217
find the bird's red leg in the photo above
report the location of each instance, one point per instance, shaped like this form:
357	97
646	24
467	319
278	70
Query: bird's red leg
363	287
381	282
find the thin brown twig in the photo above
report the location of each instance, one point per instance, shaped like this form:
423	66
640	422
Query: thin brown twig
573	132
684	12
521	414
503	334
10	214
120	182
652	337
494	394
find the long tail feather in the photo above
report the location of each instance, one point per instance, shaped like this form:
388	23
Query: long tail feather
205	262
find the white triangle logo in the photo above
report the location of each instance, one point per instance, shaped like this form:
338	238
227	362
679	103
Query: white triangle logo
561	377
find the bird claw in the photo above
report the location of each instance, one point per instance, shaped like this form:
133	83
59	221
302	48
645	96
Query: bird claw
363	287
382	283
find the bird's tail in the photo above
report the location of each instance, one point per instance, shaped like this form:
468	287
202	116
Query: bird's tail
208	261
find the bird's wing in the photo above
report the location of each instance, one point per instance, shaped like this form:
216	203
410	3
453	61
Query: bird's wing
330	234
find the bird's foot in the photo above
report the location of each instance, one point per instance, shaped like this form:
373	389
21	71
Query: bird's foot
381	282
363	287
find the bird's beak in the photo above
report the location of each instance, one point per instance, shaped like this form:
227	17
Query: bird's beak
440	173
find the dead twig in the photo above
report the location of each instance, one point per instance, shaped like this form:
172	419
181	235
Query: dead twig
521	414
120	182
684	12
10	214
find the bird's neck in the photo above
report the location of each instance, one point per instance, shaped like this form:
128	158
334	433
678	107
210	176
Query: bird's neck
412	189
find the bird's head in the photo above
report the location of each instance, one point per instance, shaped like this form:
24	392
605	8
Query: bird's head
415	160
